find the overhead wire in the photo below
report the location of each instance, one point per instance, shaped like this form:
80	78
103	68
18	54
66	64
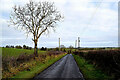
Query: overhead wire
92	16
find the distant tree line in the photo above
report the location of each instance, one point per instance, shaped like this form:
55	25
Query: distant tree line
24	47
19	47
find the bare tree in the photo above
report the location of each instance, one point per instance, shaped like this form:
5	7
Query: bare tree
36	18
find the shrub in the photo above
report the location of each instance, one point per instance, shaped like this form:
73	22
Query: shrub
106	60
56	49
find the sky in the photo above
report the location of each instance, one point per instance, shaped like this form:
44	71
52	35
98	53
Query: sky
94	21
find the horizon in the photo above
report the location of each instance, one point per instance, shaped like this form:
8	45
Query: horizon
58	47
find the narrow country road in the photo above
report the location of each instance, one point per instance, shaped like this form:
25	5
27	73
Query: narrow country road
64	68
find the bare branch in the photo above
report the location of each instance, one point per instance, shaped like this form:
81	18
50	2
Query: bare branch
35	18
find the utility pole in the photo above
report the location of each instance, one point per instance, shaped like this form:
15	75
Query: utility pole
59	44
75	43
78	42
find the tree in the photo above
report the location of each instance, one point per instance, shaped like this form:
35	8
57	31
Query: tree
18	47
43	48
24	46
62	46
35	18
12	46
71	47
7	46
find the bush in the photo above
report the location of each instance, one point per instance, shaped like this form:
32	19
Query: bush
56	49
106	60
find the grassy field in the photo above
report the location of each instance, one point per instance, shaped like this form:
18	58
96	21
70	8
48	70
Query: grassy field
26	66
89	71
13	52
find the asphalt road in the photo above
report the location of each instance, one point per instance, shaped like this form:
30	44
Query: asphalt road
64	68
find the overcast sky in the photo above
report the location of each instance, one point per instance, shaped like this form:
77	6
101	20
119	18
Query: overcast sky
94	21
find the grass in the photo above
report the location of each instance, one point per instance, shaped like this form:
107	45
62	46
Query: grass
89	71
37	68
13	52
27	69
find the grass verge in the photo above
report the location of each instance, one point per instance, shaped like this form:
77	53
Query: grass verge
39	67
89	71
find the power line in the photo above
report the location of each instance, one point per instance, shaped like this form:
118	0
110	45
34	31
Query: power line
97	6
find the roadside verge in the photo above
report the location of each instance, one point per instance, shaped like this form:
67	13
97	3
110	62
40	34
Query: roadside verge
88	70
39	67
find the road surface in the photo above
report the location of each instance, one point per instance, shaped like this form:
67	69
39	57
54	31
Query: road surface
64	68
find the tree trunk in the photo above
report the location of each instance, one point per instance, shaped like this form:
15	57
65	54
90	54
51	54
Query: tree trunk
35	49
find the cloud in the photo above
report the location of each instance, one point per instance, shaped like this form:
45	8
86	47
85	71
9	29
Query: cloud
92	20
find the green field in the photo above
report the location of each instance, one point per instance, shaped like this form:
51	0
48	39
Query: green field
13	52
35	65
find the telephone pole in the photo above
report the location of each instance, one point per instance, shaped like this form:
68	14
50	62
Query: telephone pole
59	44
75	43
78	42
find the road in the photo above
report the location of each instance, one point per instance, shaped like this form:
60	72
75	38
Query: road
64	68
